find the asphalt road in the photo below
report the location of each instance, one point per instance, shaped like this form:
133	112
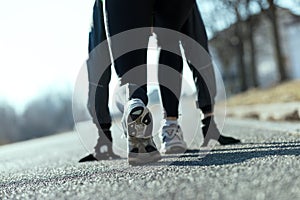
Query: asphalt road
265	166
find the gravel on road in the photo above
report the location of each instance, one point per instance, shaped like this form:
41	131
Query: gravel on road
264	166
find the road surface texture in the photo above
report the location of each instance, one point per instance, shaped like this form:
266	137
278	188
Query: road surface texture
265	166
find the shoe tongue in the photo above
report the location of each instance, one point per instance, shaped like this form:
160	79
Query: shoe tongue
170	130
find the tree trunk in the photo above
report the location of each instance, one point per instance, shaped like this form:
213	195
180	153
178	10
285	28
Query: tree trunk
253	53
278	50
241	68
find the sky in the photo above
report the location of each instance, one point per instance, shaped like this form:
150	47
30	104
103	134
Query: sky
43	44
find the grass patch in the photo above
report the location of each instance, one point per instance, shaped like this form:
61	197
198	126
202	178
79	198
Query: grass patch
3	142
282	93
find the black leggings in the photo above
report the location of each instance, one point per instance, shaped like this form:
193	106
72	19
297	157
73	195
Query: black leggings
98	101
124	15
206	90
194	28
98	93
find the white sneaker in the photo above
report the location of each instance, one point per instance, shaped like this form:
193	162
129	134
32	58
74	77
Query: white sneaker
172	139
138	126
142	151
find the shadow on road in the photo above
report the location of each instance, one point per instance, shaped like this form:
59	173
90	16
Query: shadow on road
238	155
229	154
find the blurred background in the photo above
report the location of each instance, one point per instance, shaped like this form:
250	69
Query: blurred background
43	45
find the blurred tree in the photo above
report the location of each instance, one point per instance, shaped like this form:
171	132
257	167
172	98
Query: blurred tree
241	15
251	32
270	8
9	126
238	12
239	33
245	25
47	115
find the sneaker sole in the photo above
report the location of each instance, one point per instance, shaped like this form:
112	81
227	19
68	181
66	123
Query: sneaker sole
136	116
136	113
131	120
174	149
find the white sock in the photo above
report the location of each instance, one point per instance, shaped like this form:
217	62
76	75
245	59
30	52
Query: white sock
168	122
